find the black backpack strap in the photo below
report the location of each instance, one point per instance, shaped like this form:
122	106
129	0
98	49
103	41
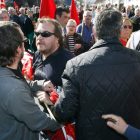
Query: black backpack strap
138	46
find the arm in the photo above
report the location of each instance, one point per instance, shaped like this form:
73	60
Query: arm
22	106
41	85
67	105
81	44
132	133
78	29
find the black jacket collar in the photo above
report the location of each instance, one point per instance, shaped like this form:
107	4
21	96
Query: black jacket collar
104	42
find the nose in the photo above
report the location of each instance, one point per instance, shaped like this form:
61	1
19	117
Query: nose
39	37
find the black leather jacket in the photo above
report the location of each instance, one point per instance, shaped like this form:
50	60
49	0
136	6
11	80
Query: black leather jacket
104	80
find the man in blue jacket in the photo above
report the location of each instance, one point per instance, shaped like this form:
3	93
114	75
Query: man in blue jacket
13	16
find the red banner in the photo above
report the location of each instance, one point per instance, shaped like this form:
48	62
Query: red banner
2	4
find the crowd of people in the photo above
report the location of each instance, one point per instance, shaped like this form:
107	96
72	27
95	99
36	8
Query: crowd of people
86	73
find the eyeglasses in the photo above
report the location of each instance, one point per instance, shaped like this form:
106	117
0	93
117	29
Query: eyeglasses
44	34
127	26
88	16
71	26
25	39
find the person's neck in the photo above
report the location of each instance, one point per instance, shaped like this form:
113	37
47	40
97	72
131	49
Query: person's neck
13	66
124	39
88	24
45	55
11	15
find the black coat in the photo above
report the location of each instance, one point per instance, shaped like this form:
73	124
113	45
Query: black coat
17	19
131	15
27	27
77	40
52	67
104	80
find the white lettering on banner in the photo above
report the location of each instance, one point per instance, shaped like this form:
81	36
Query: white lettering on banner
2	4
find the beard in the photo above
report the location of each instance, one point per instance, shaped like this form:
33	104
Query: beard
21	55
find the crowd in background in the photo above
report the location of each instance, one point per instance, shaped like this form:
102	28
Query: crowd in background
68	40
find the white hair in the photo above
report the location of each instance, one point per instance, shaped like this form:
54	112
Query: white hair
137	9
87	12
21	9
72	20
11	8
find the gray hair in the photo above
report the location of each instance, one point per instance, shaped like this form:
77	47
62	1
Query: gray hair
11	8
72	20
85	12
108	24
137	9
21	9
3	10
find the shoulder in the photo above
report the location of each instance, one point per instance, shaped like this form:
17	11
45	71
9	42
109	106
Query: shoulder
65	54
79	26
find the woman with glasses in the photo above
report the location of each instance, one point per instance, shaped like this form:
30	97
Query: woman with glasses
74	41
126	31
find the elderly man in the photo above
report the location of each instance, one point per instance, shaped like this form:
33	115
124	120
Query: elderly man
27	27
85	28
136	20
20	117
128	12
13	16
4	16
104	80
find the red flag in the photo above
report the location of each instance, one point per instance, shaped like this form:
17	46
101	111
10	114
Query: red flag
74	14
47	9
2	4
27	65
15	4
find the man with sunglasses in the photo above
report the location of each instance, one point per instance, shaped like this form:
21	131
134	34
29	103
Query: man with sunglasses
50	59
20	117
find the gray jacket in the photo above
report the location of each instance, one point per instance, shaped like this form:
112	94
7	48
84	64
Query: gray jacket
20	117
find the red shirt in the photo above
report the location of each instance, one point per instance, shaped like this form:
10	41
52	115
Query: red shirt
123	42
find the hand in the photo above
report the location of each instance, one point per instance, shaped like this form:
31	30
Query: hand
92	41
120	125
77	46
48	86
43	97
26	76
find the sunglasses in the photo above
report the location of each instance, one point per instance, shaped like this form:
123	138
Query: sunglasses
44	34
127	26
71	26
25	39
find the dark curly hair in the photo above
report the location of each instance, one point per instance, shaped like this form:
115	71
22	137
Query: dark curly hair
10	39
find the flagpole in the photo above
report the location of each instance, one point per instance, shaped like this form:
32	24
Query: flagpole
83	20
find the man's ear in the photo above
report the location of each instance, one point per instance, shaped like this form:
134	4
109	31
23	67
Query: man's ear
18	51
57	17
57	39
